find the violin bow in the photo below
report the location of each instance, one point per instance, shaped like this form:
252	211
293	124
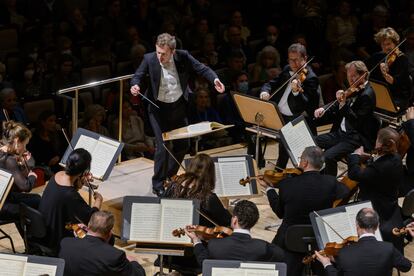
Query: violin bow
324	221
206	217
6	115
72	148
172	155
292	77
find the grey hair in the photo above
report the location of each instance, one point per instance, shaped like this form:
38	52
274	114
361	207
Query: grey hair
360	67
101	222
165	39
297	48
314	155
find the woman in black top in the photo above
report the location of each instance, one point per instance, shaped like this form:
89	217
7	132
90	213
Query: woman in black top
61	203
380	182
12	152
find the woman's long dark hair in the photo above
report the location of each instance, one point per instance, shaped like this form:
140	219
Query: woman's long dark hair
199	180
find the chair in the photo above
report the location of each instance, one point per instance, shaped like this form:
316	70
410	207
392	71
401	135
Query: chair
407	208
301	239
34	230
5	235
35	108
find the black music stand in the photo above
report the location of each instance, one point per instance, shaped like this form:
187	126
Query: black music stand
301	239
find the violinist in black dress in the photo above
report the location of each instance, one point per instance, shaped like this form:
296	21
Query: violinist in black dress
353	114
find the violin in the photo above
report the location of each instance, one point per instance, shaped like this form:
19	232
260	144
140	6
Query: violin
392	56
273	177
401	231
331	249
78	231
204	232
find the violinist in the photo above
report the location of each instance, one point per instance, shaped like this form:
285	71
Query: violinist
199	182
300	195
13	158
353	114
367	256
296	97
240	245
380	180
394	69
61	203
93	255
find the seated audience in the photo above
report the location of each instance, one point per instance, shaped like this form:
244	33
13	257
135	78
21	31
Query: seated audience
93	255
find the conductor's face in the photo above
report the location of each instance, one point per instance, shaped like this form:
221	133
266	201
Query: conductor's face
164	54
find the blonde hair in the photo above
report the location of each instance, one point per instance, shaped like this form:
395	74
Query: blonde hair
12	130
387	33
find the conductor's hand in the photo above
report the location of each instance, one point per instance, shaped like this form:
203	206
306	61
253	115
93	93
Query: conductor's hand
410	113
135	90
318	112
264	95
217	84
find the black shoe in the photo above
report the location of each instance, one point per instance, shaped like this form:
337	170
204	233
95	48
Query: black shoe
158	192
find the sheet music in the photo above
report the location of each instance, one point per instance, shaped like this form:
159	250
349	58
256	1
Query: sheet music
35	269
219	184
4	181
231	171
353	210
220	271
12	265
175	214
145	222
339	222
86	142
102	156
297	138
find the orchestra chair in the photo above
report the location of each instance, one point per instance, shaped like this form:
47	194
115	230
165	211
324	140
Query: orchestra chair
301	238
5	235
34	230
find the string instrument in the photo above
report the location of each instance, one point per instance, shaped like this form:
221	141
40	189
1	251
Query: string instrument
273	177
78	231
331	249
204	232
392	57
401	231
300	70
403	143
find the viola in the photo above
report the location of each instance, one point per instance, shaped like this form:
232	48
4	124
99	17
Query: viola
273	177
78	231
204	232
331	249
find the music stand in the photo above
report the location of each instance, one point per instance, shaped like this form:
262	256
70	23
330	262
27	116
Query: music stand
385	105
301	238
263	115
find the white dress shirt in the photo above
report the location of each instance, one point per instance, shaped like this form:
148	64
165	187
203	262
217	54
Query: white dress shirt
170	88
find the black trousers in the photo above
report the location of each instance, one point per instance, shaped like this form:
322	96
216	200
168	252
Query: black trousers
168	117
337	145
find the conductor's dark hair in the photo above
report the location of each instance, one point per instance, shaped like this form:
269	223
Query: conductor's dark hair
78	162
247	213
367	219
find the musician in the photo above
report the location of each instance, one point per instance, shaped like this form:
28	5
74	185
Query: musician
61	203
355	124
300	195
367	256
92	255
394	70
294	98
380	180
169	71
240	245
13	156
199	182
408	128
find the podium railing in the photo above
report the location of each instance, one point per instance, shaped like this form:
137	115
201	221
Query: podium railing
75	99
